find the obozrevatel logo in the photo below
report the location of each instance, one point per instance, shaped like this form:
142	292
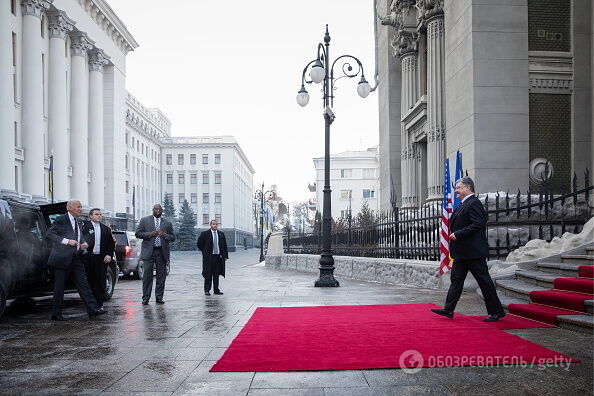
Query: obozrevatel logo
411	361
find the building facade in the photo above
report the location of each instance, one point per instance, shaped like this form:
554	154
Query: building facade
509	84
213	174
63	67
353	180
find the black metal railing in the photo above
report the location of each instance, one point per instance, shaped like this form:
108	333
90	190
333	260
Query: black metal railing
513	220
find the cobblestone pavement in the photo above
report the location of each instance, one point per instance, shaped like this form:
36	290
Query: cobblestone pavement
164	350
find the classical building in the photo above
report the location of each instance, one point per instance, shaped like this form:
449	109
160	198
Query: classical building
508	83
353	181
213	174
63	67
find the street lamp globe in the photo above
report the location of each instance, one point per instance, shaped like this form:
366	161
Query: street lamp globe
317	72
363	88
302	97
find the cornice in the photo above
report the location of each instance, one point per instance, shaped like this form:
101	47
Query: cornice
35	7
59	24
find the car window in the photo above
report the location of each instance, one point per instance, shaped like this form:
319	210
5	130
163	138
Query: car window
53	217
121	239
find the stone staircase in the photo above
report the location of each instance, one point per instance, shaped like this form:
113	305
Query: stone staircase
541	276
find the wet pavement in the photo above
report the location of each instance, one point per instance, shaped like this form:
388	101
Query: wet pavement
168	349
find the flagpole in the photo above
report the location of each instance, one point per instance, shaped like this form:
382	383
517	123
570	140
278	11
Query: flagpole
51	176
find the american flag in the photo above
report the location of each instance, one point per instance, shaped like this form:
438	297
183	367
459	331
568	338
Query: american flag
444	238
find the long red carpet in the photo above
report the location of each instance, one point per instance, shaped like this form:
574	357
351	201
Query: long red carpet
372	336
513	322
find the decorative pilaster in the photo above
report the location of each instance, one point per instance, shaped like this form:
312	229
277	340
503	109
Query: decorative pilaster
32	99
435	98
79	116
59	26
7	179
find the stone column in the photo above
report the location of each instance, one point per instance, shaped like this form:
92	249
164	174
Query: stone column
7	178
79	116
32	99
406	48
97	59
435	100
59	26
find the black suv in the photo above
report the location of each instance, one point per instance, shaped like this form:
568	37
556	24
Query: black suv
24	251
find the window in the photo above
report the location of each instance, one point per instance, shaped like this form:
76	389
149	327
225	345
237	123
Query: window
127	161
192	159
170	178
218	218
127	140
346	173
205	158
217	177
205	219
137	145
217	158
368	173
169	197
205	178
180	159
193	178
346	194
168	159
181	178
182	197
205	198
14	61
13	7
218	198
127	186
133	140
42	26
344	214
368	194
194	197
142	148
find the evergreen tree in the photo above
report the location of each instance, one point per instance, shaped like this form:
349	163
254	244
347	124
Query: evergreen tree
318	222
186	236
366	216
168	209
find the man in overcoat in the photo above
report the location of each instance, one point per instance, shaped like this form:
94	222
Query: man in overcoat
213	245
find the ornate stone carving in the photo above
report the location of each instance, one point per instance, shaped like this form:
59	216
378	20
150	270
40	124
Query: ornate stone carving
59	24
405	43
427	9
80	43
97	59
35	7
395	17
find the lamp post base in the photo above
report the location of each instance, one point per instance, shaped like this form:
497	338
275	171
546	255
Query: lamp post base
326	278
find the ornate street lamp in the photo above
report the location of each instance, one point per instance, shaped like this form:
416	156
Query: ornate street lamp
261	195
322	71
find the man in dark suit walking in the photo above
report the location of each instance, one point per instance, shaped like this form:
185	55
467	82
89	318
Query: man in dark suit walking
213	245
99	253
469	248
68	243
156	234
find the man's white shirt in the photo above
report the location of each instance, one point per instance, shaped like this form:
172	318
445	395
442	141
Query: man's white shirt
74	225
97	246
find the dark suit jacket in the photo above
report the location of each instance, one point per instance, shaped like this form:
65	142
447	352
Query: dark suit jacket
205	244
145	226
62	255
469	223
107	244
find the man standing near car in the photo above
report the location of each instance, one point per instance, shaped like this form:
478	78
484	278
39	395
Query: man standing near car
68	243
156	234
100	251
213	245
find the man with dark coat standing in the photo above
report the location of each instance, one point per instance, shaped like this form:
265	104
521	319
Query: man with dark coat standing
469	248
99	253
156	234
68	243
213	245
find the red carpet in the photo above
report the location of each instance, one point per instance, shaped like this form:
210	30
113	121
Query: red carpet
372	336
513	322
586	271
539	312
560	299
580	285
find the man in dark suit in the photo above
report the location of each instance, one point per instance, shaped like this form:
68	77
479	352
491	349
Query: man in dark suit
99	253
68	243
156	234
469	248
213	245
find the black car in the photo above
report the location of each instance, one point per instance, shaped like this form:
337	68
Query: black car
24	251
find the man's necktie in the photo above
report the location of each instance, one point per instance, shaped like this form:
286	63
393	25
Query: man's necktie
157	238
215	243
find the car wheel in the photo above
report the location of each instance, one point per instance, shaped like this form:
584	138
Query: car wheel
139	271
2	299
168	266
110	281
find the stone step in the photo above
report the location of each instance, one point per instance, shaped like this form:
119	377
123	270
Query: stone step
538	278
517	289
590	249
566	270
583	259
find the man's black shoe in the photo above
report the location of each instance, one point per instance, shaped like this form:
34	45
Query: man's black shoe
144	302
160	302
218	292
443	312
59	318
207	293
494	318
97	312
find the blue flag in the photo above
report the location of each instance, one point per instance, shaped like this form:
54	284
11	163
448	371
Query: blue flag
457	176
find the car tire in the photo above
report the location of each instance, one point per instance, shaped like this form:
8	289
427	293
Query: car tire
3	297
110	282
139	271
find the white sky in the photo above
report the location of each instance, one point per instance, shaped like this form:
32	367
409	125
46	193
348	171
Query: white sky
234	68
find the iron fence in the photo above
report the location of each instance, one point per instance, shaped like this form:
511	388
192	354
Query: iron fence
513	220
